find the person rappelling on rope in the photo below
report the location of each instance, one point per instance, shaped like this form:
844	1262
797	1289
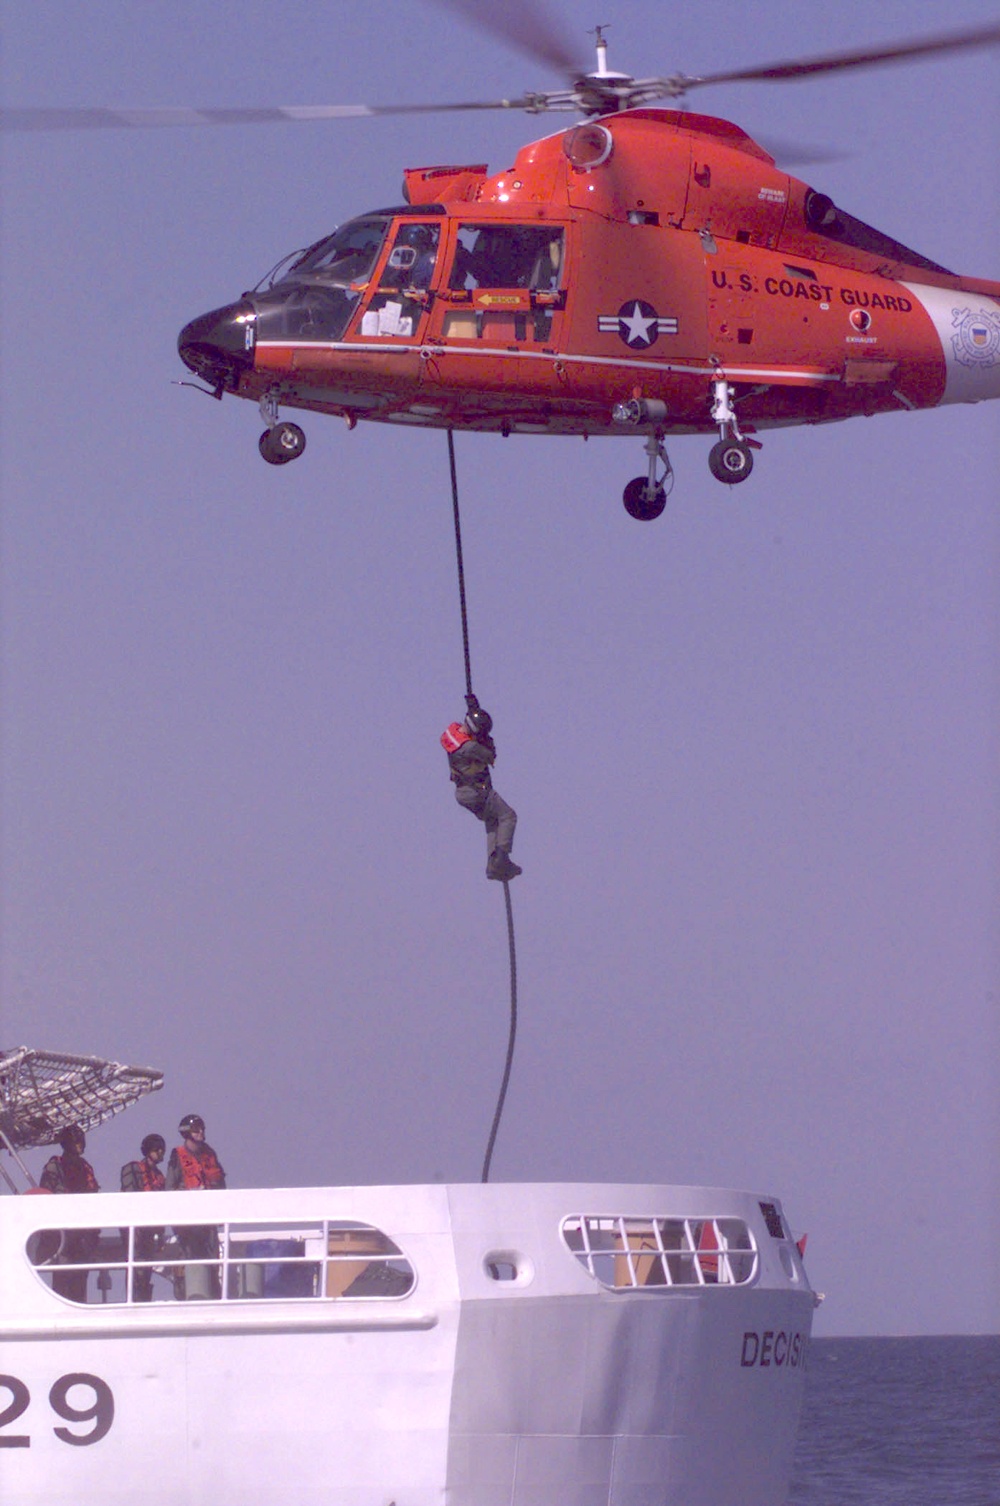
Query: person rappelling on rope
471	754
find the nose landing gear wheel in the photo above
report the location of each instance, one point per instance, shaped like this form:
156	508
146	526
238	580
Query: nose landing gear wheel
282	443
730	461
643	502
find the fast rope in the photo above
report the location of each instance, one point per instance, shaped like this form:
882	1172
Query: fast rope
511	1037
471	700
461	567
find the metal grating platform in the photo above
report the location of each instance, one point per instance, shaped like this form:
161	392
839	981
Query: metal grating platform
41	1092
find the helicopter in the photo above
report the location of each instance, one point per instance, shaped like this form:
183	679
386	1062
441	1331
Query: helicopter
648	271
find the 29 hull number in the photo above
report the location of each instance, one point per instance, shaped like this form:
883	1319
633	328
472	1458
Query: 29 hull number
100	1411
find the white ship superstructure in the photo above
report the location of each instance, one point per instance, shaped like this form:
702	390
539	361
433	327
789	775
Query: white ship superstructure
461	1345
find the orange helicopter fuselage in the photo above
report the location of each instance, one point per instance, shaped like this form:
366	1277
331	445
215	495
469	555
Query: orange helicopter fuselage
621	267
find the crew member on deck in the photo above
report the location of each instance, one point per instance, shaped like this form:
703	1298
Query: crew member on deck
71	1172
145	1176
194	1166
471	754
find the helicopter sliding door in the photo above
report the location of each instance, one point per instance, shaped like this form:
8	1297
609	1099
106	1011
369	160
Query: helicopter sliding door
503	286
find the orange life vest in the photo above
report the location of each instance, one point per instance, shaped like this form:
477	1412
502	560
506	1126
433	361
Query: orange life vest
454	735
200	1171
69	1174
151	1177
89	1179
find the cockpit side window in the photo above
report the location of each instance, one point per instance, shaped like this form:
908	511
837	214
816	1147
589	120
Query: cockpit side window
402	295
412	258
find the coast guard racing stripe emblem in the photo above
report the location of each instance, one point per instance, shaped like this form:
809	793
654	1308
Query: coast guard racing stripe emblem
637	323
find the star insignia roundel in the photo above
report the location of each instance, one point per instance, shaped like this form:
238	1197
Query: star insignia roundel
638	324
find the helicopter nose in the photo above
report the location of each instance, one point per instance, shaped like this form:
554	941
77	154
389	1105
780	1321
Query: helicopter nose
218	346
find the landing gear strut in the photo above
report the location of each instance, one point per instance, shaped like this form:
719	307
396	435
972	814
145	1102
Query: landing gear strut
280	441
730	460
646	496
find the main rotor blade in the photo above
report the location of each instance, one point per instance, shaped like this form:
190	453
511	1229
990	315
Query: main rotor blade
525	25
983	36
97	119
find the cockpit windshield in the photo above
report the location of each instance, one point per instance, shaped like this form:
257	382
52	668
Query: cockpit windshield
313	298
346	256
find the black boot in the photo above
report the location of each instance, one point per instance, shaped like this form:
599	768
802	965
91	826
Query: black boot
501	866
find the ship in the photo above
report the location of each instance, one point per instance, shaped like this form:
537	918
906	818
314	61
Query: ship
491	1344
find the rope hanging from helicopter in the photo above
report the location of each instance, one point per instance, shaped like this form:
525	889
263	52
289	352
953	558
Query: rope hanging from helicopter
461	566
511	1038
472	702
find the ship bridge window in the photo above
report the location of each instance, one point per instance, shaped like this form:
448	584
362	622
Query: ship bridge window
624	1252
268	1260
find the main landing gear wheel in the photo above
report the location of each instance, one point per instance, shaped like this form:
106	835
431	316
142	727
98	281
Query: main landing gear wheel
730	460
642	501
282	443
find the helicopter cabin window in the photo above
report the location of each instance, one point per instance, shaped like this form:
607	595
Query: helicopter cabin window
403	295
236	1262
504	283
316	297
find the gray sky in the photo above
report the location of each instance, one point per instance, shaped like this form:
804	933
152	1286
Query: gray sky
753	746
